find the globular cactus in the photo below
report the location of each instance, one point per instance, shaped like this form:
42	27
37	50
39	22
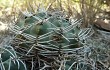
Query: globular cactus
10	61
42	24
49	36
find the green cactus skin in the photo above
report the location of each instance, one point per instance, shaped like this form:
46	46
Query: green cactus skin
13	66
53	34
45	27
9	60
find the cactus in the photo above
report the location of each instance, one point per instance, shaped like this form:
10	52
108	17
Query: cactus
10	61
48	37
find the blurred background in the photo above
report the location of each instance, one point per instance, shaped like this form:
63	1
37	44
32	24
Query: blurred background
89	10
